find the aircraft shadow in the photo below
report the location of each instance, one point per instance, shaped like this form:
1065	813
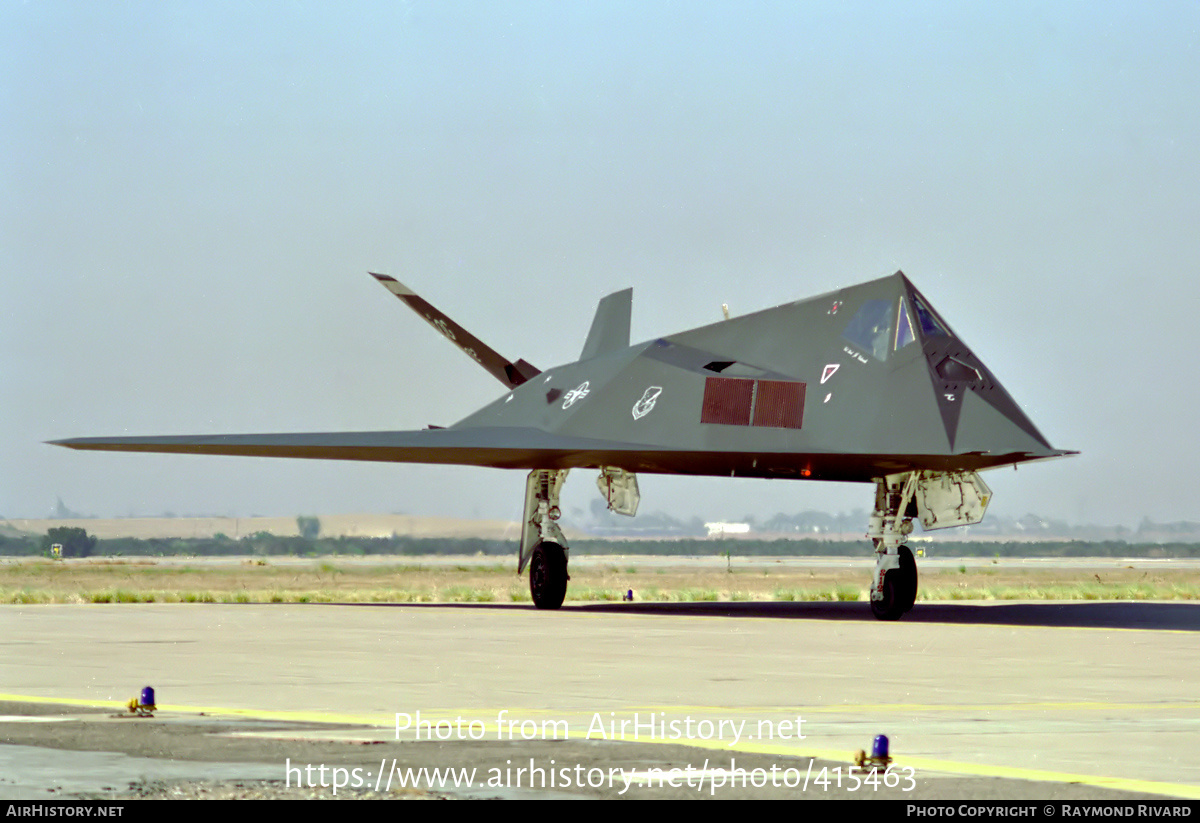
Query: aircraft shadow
1106	615
1091	615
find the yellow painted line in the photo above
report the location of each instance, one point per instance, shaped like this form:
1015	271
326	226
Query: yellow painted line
919	707
848	708
921	763
1191	632
518	714
257	714
62	701
1018	773
969	769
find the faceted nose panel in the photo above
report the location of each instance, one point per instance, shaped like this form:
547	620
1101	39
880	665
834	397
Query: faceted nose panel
956	374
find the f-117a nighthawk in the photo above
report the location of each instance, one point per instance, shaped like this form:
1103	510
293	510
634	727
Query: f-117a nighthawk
867	384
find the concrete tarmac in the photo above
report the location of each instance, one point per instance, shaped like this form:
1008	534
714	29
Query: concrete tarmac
1012	700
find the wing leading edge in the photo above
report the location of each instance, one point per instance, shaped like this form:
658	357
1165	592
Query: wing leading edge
507	447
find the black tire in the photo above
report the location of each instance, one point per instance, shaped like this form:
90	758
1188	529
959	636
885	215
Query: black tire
548	575
907	580
889	608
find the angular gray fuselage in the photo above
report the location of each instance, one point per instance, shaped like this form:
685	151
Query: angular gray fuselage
852	385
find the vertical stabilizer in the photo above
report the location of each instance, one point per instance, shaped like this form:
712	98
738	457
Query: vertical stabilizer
510	374
610	327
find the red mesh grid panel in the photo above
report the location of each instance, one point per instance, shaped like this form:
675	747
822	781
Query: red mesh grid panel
727	400
779	404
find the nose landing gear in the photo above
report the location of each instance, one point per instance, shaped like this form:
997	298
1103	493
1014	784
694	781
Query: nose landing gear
941	500
895	588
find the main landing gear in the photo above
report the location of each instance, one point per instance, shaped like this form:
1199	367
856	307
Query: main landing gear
543	545
548	575
939	499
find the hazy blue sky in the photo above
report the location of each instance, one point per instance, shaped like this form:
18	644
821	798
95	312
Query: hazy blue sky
192	194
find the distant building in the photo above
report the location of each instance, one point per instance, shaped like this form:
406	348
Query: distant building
722	529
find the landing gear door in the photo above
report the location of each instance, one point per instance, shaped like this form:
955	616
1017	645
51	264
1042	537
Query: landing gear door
946	499
619	489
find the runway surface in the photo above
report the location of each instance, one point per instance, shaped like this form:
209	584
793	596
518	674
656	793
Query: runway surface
977	699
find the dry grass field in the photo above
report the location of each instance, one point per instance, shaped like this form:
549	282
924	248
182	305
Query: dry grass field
334	525
407	580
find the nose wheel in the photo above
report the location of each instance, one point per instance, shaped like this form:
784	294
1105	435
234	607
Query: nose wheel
899	588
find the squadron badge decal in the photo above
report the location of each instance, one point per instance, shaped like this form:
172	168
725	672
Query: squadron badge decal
646	405
576	394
